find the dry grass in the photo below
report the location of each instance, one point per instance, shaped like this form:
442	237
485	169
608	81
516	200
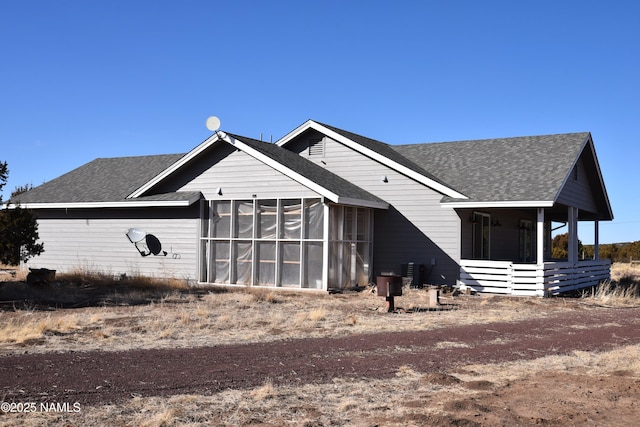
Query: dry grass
622	290
145	313
237	316
153	316
33	329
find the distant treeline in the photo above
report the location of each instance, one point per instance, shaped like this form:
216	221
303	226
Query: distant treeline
616	252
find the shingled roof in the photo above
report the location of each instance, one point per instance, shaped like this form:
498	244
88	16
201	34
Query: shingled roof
102	180
531	168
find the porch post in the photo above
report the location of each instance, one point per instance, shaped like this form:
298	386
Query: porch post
325	247
540	285
596	240
540	237
573	235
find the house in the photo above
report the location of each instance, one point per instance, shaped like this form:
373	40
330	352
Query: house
323	208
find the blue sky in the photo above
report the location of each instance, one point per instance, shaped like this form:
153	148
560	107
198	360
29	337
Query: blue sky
87	79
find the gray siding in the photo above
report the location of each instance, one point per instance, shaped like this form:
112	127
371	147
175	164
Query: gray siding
240	176
578	192
97	242
414	229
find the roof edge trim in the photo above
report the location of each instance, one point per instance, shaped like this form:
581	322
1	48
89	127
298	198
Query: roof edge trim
499	204
94	205
362	203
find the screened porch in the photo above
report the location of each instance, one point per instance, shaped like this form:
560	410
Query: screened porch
288	243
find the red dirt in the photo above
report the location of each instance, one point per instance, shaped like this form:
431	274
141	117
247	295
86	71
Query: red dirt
109	377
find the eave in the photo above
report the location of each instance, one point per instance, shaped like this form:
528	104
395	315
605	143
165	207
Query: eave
99	205
104	205
498	204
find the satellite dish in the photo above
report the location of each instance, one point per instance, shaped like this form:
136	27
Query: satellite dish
213	123
154	245
136	235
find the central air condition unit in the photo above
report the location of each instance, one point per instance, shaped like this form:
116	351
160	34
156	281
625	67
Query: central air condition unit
415	274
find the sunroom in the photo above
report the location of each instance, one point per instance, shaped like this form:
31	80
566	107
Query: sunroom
303	243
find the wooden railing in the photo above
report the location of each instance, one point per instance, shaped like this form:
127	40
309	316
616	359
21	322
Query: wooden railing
552	278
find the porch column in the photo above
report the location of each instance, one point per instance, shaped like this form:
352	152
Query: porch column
540	285
573	235
596	240
325	247
540	237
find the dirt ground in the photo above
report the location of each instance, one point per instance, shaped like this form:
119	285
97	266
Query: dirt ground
553	398
256	357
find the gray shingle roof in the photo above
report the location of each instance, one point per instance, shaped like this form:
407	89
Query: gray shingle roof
531	168
101	180
311	171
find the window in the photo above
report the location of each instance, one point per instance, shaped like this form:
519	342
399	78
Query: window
526	240
481	235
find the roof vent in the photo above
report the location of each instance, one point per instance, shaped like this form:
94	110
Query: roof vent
316	147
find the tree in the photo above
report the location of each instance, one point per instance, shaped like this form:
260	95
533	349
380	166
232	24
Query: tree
560	246
18	230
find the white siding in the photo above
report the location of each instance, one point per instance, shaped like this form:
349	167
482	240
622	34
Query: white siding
414	229
101	245
240	176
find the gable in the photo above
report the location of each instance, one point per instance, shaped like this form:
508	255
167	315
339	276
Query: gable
363	171
261	165
373	149
577	190
238	175
584	187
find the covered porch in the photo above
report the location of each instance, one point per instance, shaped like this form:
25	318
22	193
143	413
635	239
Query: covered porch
531	272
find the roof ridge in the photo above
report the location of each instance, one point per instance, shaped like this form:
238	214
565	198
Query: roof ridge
550	135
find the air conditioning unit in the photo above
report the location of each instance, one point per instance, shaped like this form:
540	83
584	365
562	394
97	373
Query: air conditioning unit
415	274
